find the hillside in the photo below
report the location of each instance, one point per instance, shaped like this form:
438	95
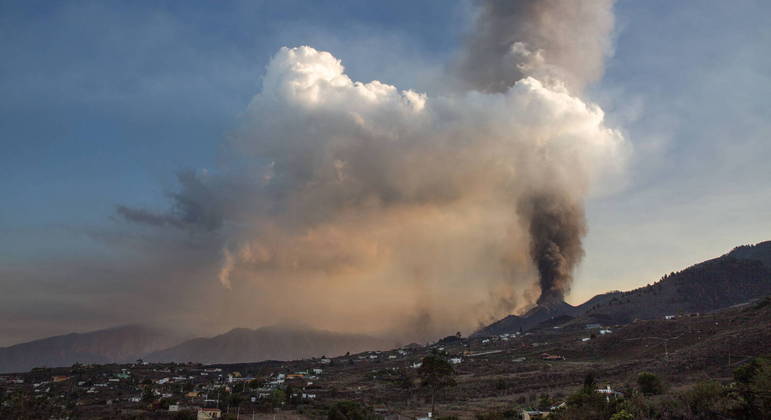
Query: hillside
120	344
494	378
736	277
531	319
741	275
268	343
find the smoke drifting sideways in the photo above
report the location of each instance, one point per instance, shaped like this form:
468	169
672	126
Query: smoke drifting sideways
360	207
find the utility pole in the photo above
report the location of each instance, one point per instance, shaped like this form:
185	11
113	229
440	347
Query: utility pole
665	340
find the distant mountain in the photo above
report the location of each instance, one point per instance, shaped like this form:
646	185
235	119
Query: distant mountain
120	344
741	275
268	343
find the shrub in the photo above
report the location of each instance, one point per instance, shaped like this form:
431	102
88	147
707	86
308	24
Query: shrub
350	410
753	381
622	415
649	383
708	400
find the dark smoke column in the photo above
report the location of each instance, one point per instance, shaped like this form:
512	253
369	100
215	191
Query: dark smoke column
558	42
556	226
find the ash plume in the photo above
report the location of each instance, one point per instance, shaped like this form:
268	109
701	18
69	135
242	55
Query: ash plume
360	207
555	41
556	227
561	43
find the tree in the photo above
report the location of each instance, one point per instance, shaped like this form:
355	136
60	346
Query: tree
649	383
622	415
708	400
277	398
185	415
589	381
544	402
753	382
349	410
148	395
436	373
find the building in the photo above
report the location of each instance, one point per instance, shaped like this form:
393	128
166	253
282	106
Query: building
608	392
209	413
534	414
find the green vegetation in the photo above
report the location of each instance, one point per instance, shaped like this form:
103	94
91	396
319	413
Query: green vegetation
436	373
748	397
350	410
622	415
649	384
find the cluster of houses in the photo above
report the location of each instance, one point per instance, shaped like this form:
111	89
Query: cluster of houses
502	337
184	387
206	389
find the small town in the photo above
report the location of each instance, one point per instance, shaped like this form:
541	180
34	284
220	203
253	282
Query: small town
512	375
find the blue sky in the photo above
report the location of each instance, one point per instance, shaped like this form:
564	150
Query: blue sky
690	84
102	103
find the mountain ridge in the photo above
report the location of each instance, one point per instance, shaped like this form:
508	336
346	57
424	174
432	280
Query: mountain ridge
740	275
268	343
116	344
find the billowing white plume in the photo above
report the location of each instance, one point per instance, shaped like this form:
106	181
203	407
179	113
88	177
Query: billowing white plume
361	207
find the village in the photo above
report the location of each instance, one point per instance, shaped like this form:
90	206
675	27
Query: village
515	375
176	389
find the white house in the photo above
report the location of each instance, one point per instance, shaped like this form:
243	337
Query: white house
209	413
